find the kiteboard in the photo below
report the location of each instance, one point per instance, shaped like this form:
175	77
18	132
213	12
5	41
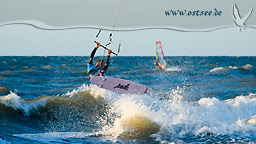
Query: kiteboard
120	85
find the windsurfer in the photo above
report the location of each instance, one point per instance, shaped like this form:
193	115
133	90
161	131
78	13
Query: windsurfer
156	63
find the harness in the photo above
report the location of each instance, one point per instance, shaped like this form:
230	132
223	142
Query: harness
93	70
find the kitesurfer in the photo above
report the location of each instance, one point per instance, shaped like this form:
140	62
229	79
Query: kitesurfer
99	68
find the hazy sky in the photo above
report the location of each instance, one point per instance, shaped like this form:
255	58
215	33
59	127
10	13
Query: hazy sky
26	40
126	13
22	40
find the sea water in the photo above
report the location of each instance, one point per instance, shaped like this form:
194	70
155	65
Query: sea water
195	100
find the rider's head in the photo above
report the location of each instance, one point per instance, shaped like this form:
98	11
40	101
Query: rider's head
100	64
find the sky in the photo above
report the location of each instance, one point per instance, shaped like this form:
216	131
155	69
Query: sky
126	13
24	40
28	41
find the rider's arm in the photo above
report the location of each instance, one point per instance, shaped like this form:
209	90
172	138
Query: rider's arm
93	53
107	63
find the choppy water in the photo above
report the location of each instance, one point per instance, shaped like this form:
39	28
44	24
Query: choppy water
197	99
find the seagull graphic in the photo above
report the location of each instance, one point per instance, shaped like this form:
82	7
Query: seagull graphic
238	21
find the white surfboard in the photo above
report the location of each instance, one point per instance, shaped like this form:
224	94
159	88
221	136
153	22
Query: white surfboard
120	86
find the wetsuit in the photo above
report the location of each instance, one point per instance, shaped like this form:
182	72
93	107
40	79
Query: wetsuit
93	70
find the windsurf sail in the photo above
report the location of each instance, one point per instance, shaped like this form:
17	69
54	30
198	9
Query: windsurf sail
160	54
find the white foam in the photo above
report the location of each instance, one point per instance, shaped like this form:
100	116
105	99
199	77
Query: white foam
173	69
178	117
96	92
247	66
233	67
16	102
216	69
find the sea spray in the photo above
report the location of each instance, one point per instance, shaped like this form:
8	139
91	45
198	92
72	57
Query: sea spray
78	110
133	119
16	102
177	118
145	117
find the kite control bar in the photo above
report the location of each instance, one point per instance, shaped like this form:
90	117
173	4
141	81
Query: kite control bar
110	41
107	48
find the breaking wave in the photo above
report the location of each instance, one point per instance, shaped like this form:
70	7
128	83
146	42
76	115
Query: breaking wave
123	118
225	69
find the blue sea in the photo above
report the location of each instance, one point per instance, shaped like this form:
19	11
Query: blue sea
194	100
